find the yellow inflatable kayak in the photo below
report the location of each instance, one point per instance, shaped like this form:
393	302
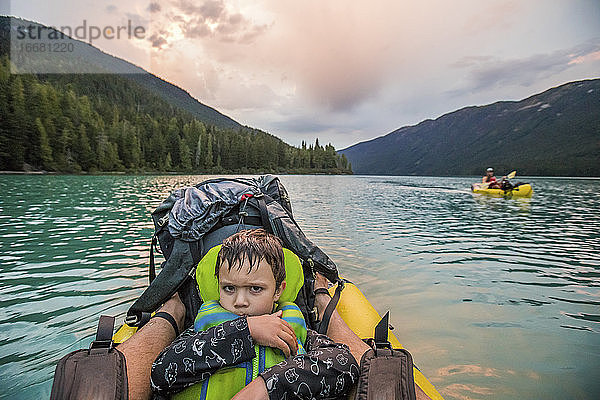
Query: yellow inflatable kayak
361	317
522	190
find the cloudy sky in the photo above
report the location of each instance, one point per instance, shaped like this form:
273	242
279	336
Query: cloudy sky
347	70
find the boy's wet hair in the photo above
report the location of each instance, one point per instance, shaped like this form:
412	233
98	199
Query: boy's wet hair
254	245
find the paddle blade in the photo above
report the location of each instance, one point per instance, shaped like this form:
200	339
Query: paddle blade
512	175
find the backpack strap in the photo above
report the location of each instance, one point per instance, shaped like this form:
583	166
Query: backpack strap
160	225
151	266
381	333
196	250
264	213
173	275
103	343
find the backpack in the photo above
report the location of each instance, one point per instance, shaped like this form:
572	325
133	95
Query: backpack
194	219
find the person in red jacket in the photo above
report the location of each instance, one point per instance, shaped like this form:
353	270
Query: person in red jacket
490	179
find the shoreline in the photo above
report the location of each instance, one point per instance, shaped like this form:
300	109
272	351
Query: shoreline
151	173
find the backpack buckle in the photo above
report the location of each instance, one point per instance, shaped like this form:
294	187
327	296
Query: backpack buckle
100	346
163	220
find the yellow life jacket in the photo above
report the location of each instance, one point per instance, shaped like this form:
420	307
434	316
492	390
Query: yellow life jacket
228	381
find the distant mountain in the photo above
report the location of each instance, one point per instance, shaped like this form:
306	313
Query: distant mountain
555	133
85	57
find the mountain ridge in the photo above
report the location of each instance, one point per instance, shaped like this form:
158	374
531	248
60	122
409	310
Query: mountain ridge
555	132
90	58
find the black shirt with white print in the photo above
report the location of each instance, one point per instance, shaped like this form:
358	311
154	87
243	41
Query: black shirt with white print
326	371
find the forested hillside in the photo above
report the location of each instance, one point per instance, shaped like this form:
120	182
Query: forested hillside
94	123
87	58
132	123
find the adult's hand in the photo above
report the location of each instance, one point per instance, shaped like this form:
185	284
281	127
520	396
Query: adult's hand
272	331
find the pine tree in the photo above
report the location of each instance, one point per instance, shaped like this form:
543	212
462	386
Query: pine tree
16	125
61	149
344	162
168	163
156	148
5	153
103	152
186	157
172	138
208	160
82	150
198	156
45	149
238	153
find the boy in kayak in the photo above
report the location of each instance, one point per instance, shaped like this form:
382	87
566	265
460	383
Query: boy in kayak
218	356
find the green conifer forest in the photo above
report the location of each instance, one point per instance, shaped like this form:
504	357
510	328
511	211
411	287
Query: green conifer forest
108	123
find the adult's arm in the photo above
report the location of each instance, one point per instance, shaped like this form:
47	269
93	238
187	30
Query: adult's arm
337	329
143	347
194	356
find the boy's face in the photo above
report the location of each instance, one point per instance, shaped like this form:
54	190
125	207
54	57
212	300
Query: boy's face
249	294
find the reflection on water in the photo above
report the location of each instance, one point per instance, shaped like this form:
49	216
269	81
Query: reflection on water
495	298
522	204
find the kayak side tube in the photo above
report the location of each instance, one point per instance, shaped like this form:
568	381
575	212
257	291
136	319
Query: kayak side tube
361	317
524	190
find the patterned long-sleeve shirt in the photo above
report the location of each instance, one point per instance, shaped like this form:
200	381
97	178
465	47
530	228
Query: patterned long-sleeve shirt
327	371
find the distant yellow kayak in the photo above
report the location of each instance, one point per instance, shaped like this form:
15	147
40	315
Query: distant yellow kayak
522	190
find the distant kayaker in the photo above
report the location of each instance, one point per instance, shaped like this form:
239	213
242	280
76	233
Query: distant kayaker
490	180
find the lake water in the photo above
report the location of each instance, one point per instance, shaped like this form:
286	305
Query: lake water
495	298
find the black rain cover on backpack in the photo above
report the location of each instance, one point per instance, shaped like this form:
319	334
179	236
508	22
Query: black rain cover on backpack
194	219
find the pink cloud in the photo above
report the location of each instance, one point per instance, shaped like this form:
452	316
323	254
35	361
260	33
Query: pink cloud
346	66
595	56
